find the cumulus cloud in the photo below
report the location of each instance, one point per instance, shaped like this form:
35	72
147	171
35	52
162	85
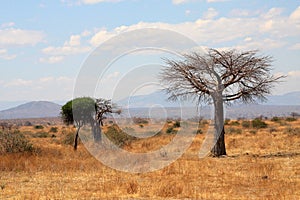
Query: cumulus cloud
12	36
210	13
70	47
51	59
266	31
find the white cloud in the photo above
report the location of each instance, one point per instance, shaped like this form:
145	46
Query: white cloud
18	82
177	2
295	46
5	56
21	89
74	40
14	36
51	59
7	24
210	13
97	1
101	36
70	47
296	15
187	12
295	74
265	30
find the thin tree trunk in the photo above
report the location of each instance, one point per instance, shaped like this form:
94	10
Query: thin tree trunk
96	131
219	135
76	138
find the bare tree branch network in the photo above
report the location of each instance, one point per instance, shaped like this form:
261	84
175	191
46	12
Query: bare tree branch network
220	77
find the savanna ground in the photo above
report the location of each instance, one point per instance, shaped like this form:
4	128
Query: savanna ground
262	163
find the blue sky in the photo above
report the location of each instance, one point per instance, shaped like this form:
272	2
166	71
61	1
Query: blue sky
43	44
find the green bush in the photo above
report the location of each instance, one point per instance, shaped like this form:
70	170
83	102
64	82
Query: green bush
234	123
275	119
176	124
53	130
246	124
258	123
38	127
118	137
14	142
290	119
226	122
199	131
170	130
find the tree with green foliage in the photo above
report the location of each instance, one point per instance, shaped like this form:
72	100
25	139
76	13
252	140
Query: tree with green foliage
218	78
85	110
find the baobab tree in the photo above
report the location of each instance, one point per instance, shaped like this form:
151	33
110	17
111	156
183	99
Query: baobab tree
218	78
85	110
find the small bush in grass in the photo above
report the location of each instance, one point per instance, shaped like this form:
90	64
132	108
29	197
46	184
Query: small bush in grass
118	137
199	131
41	134
14	142
69	138
258	123
170	130
246	124
38	127
53	130
176	124
293	131
275	119
226	122
290	119
231	130
253	132
234	123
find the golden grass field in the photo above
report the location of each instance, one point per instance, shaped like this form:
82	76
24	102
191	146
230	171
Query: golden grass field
261	164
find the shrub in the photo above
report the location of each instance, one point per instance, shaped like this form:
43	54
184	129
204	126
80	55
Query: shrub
290	119
38	127
170	130
69	138
199	131
176	124
275	119
118	137
231	130
258	123
253	132
53	130
41	134
13	142
246	124
293	131
226	122
235	123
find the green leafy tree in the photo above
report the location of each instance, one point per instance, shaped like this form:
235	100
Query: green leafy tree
85	110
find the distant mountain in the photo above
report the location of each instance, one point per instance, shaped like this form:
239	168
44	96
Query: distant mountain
292	98
34	109
160	98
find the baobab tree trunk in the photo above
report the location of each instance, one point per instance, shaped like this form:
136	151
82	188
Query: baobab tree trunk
219	132
96	129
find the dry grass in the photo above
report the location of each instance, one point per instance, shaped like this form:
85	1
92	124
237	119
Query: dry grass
261	164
